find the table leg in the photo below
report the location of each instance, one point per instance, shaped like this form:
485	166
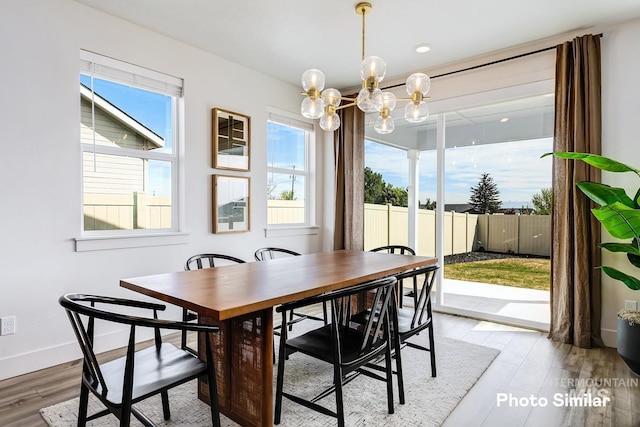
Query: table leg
243	352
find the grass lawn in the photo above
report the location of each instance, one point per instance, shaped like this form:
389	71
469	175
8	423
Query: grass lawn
529	273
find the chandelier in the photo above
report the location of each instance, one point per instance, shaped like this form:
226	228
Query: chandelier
323	104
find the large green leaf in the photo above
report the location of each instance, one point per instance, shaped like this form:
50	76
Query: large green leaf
596	161
604	194
619	220
629	248
634	260
630	281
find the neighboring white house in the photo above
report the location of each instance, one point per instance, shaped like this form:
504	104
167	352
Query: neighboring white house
114	185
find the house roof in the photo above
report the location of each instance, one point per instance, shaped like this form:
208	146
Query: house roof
122	117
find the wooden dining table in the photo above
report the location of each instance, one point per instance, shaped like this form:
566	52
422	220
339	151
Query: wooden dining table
240	299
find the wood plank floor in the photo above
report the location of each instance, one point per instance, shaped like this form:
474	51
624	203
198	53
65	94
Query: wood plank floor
529	365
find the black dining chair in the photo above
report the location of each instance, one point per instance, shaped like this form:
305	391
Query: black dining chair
198	262
409	322
125	381
346	346
402	250
264	254
413	321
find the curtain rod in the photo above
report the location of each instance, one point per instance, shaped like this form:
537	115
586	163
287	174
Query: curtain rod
498	61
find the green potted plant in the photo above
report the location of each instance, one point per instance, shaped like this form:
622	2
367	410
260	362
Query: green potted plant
619	214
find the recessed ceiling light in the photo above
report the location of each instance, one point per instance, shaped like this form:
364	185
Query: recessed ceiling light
504	119
422	48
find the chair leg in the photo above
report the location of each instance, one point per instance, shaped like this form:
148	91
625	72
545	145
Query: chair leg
82	409
390	378
324	312
125	415
398	354
432	350
337	381
290	320
280	378
432	344
166	412
184	333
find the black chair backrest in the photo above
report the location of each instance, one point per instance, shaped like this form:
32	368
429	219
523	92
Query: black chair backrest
395	249
263	254
422	310
82	314
210	260
381	295
76	306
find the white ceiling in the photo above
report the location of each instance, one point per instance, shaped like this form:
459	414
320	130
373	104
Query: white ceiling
282	38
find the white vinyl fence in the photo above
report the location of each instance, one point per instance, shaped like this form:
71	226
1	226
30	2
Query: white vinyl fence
520	234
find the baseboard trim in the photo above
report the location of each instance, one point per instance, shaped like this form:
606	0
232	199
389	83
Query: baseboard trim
43	358
609	337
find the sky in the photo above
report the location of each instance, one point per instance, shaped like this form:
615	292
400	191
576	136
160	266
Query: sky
516	168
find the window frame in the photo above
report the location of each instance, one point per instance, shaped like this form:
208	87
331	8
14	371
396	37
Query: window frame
119	72
309	225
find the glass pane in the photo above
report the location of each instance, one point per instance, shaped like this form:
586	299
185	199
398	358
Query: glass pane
493	177
285	146
124	193
504	141
428	189
286	199
125	117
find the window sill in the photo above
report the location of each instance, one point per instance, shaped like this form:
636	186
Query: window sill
291	230
99	243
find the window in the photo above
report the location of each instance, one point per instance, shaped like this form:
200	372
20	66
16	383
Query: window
290	181
128	133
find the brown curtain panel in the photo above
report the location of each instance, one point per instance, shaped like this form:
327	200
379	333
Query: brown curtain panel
575	280
349	157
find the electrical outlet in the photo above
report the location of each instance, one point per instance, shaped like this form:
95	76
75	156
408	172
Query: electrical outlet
631	305
8	325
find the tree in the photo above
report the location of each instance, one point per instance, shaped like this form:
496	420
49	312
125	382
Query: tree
287	195
395	196
429	204
379	192
542	202
485	197
373	186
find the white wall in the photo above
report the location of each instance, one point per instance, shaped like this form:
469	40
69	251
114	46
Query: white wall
620	141
40	164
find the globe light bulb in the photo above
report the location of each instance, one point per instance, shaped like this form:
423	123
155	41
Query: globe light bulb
384	125
330	122
313	78
331	96
312	108
418	82
373	66
416	112
370	101
388	100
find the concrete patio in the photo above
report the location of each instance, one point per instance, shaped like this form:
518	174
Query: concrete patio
527	307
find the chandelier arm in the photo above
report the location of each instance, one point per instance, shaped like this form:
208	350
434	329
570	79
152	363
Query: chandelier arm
409	99
341	98
340	107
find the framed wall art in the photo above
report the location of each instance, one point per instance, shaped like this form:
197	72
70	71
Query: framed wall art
231	203
231	140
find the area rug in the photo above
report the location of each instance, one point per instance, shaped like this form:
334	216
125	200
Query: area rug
428	400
